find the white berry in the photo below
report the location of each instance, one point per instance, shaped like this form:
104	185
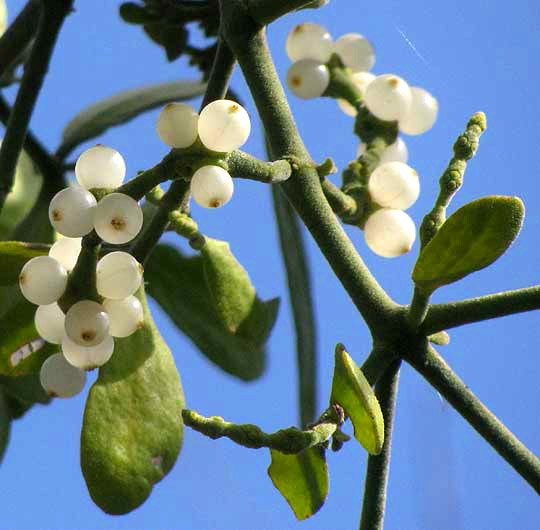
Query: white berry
49	321
224	125
87	323
211	186
126	316
117	218
356	52
66	251
394	185
42	280
361	81
308	79
71	211
61	379
422	113
100	167
118	275
389	233
309	41
177	125
87	358
388	97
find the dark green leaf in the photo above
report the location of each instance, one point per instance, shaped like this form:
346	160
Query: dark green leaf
13	256
135	14
178	284
302	479
228	283
351	390
469	240
174	41
121	108
22	196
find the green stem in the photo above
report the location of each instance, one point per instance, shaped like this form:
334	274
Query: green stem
221	73
173	199
146	181
19	34
378	468
299	283
343	205
303	189
377	364
435	370
244	166
288	441
52	17
454	314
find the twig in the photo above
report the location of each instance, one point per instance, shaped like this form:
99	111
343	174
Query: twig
378	468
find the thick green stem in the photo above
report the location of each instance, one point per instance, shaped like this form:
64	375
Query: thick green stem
303	189
52	17
435	370
454	314
377	364
244	166
288	441
19	34
378	468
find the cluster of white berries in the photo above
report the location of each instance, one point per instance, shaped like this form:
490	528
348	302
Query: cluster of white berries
222	126
387	96
310	47
393	185
389	231
86	331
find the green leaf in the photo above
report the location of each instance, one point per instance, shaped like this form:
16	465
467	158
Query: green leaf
21	197
228	284
122	107
469	240
351	390
179	285
13	256
22	351
132	428
302	479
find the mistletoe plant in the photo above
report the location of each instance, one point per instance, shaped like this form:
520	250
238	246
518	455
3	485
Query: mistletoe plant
80	252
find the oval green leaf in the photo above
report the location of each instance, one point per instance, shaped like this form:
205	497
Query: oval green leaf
469	240
302	479
178	284
351	390
123	107
132	428
228	283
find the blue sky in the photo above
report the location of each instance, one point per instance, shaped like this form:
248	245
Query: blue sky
471	56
